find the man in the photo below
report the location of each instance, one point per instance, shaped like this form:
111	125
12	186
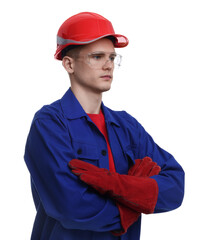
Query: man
94	171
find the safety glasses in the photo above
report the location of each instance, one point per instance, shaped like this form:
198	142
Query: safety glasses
97	60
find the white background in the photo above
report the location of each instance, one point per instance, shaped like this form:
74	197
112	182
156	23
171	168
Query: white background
157	84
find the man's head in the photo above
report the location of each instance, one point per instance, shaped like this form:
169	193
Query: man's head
86	45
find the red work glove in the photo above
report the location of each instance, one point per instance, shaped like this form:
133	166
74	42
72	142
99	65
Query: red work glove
142	168
137	193
127	217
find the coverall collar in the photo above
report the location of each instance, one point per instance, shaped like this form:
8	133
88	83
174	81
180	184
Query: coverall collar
72	109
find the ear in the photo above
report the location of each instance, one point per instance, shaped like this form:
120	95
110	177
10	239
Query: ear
68	64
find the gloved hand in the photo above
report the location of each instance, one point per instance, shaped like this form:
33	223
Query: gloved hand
137	193
144	168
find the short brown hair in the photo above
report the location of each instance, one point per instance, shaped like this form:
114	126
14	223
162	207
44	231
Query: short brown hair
69	51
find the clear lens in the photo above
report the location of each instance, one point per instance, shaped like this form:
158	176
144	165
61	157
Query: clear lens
98	59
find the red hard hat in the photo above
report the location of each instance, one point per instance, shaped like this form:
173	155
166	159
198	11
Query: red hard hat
84	28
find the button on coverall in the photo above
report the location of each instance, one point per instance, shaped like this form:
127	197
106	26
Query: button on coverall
67	208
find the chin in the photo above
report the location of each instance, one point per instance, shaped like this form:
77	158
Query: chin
102	88
106	88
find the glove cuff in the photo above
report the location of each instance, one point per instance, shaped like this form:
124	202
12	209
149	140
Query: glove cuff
141	194
127	218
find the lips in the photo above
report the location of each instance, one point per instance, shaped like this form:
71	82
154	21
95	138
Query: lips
106	77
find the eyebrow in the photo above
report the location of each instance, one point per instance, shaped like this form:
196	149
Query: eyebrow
101	52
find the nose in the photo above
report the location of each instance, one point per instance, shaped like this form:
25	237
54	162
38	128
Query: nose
108	64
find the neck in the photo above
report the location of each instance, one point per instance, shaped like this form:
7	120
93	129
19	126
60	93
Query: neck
89	100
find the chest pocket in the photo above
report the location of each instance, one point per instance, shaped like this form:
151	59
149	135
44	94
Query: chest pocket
130	154
86	152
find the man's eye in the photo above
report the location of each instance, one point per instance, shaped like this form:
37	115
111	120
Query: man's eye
97	57
112	58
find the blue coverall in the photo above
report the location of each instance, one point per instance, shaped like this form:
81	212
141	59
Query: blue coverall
68	209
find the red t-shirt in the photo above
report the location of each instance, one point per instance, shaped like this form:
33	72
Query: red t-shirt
99	121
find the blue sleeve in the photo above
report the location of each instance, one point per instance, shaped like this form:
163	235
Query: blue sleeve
171	178
63	196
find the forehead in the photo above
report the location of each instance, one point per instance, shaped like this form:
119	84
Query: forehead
104	45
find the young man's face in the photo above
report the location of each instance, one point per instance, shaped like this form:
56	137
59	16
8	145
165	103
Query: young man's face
93	67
